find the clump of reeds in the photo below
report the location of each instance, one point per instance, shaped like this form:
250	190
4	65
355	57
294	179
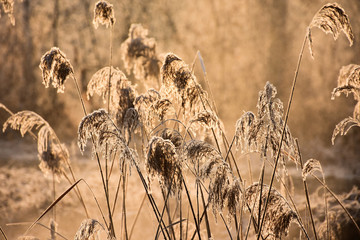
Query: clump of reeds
172	135
88	229
278	215
263	132
163	161
8	6
103	14
55	68
138	52
331	18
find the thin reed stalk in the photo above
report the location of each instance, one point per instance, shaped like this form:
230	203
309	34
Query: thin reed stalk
283	133
307	194
111	230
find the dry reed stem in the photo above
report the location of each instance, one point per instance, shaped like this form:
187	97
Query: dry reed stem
103	14
55	68
331	18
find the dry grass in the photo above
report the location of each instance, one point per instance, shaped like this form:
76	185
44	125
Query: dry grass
167	133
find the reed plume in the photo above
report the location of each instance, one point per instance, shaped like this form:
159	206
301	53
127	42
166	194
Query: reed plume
163	161
331	18
311	166
139	54
8	6
348	82
103	14
143	104
278	215
52	155
243	129
130	123
99	127
208	163
172	135
88	229
263	132
180	85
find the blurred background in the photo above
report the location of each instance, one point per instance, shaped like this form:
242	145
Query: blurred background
243	43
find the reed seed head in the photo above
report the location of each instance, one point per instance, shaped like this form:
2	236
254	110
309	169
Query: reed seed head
311	166
278	215
331	18
162	161
244	126
173	135
348	81
55	68
24	121
99	127
103	14
130	123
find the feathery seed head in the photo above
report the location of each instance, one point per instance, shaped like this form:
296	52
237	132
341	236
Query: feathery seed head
244	126
162	160
311	166
348	81
278	214
103	14
331	18
55	68
172	135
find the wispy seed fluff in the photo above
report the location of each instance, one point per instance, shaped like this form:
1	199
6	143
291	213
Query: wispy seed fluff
331	18
55	68
278	215
162	161
103	14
